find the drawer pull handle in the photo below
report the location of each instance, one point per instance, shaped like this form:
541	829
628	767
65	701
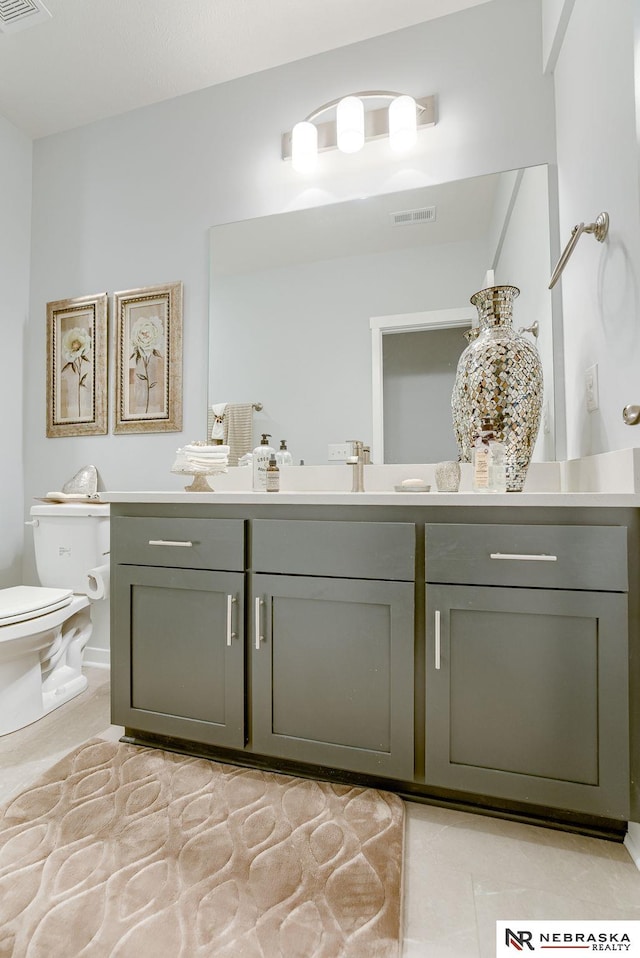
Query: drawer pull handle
231	600
259	637
523	558
170	542
436	622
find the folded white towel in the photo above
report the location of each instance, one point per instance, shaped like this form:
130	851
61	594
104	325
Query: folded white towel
203	458
216	450
214	456
181	462
189	466
208	463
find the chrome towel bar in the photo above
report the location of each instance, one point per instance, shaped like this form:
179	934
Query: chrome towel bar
599	228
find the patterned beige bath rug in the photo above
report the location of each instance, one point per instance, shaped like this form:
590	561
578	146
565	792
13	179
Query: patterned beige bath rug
127	852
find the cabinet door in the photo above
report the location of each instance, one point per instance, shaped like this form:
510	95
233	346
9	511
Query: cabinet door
332	672
178	653
527	696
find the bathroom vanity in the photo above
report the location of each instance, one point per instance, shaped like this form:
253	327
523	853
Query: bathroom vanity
462	649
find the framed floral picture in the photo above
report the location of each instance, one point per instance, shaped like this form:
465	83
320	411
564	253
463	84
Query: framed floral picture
149	359
77	366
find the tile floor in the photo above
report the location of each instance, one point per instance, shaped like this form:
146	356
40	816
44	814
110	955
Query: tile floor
462	871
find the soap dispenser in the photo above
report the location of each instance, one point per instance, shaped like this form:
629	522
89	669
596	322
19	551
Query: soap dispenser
273	475
283	456
261	456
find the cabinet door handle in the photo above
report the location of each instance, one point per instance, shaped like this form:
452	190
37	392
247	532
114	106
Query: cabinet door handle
231	600
259	637
523	558
436	623
170	542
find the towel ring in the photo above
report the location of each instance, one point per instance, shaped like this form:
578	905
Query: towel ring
599	229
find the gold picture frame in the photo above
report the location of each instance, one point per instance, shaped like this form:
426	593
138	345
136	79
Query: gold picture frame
77	366
148	359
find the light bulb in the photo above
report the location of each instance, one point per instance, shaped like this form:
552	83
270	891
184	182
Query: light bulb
304	147
403	123
350	124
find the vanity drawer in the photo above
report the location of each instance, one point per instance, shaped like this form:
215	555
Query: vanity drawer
546	557
343	550
179	543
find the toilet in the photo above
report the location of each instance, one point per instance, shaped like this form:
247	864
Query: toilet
44	629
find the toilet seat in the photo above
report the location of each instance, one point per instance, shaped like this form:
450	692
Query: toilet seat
30	631
23	602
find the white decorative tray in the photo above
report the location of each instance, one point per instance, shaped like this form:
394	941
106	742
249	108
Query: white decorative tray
200	474
412	488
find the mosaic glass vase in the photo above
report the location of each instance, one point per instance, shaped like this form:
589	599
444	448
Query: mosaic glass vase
459	404
500	379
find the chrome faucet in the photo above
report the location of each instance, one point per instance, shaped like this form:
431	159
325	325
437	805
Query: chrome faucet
357	461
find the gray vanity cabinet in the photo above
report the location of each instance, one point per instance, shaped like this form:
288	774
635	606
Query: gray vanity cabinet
491	666
332	647
177	628
526	675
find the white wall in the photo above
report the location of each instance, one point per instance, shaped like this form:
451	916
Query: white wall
598	171
127	202
556	16
527	265
298	340
597	142
15	214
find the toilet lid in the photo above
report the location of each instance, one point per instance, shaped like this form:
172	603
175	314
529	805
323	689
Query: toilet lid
28	601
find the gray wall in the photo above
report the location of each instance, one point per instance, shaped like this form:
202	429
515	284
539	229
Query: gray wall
127	202
419	372
15	212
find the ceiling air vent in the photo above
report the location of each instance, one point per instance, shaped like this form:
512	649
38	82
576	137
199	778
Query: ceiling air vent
18	14
426	214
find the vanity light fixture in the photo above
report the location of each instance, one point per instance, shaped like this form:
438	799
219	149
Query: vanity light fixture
352	125
403	125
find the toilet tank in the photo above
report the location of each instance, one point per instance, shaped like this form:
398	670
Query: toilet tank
69	539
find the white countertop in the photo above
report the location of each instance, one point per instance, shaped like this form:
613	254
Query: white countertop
606	480
518	499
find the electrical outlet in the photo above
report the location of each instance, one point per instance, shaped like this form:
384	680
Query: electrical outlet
591	388
339	451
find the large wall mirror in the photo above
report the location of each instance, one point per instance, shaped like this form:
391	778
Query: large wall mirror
296	297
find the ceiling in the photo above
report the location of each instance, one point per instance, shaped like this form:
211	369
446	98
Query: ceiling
99	58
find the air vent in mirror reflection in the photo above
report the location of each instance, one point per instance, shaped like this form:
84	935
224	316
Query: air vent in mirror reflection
18	14
425	214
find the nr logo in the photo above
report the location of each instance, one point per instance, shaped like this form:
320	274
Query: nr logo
518	939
